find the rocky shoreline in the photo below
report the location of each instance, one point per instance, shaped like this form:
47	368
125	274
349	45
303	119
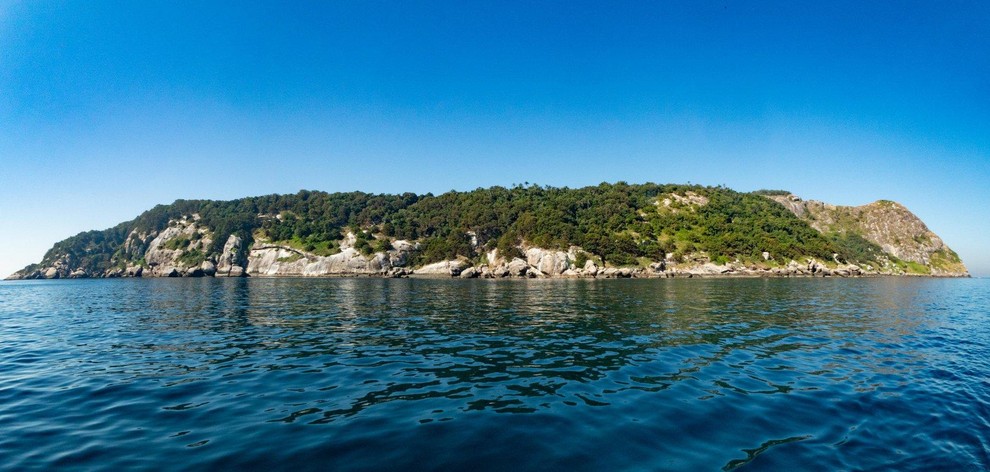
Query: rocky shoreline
274	260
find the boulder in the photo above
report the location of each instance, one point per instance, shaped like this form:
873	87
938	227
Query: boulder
208	268
547	261
399	255
470	273
517	267
451	267
230	271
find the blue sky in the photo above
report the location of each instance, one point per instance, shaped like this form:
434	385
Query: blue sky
108	108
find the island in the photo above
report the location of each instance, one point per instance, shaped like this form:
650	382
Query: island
612	230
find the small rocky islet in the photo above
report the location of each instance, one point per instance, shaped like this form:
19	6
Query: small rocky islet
606	231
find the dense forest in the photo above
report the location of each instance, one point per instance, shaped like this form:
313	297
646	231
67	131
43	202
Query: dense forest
621	224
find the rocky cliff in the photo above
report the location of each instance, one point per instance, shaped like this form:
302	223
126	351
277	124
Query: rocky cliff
889	225
608	231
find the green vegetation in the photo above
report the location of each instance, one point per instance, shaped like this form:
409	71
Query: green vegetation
947	260
736	225
176	243
580	259
292	258
310	245
853	247
192	257
620	224
771	193
916	268
90	250
382	245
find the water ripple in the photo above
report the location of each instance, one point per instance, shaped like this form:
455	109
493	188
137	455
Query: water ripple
489	375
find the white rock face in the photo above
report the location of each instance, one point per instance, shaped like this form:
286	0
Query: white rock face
517	267
709	269
547	261
227	264
272	260
590	268
689	199
348	241
275	260
399	255
452	267
494	259
136	244
161	260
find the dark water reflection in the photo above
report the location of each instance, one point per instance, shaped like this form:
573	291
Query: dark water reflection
496	375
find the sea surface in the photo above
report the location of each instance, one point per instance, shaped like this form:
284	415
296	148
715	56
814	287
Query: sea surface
414	374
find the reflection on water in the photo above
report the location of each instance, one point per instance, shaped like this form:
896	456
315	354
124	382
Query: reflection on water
661	374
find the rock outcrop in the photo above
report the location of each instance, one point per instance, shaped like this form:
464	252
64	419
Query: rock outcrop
272	260
448	268
178	249
887	224
231	261
548	262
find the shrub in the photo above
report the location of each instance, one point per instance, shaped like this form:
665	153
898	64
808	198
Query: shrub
176	243
580	259
383	245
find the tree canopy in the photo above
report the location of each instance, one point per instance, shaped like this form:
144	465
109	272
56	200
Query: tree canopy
619	223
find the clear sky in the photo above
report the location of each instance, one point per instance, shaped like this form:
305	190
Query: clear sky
108	108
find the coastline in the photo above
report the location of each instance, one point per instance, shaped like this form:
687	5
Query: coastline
632	275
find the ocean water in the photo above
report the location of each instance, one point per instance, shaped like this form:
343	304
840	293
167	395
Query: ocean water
412	374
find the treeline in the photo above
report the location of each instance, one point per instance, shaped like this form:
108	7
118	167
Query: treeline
619	223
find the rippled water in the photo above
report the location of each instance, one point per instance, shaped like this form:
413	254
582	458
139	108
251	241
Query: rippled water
495	375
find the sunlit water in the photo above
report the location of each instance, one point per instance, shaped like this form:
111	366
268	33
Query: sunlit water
298	374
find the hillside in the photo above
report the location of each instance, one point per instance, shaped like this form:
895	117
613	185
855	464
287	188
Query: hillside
605	230
887	224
